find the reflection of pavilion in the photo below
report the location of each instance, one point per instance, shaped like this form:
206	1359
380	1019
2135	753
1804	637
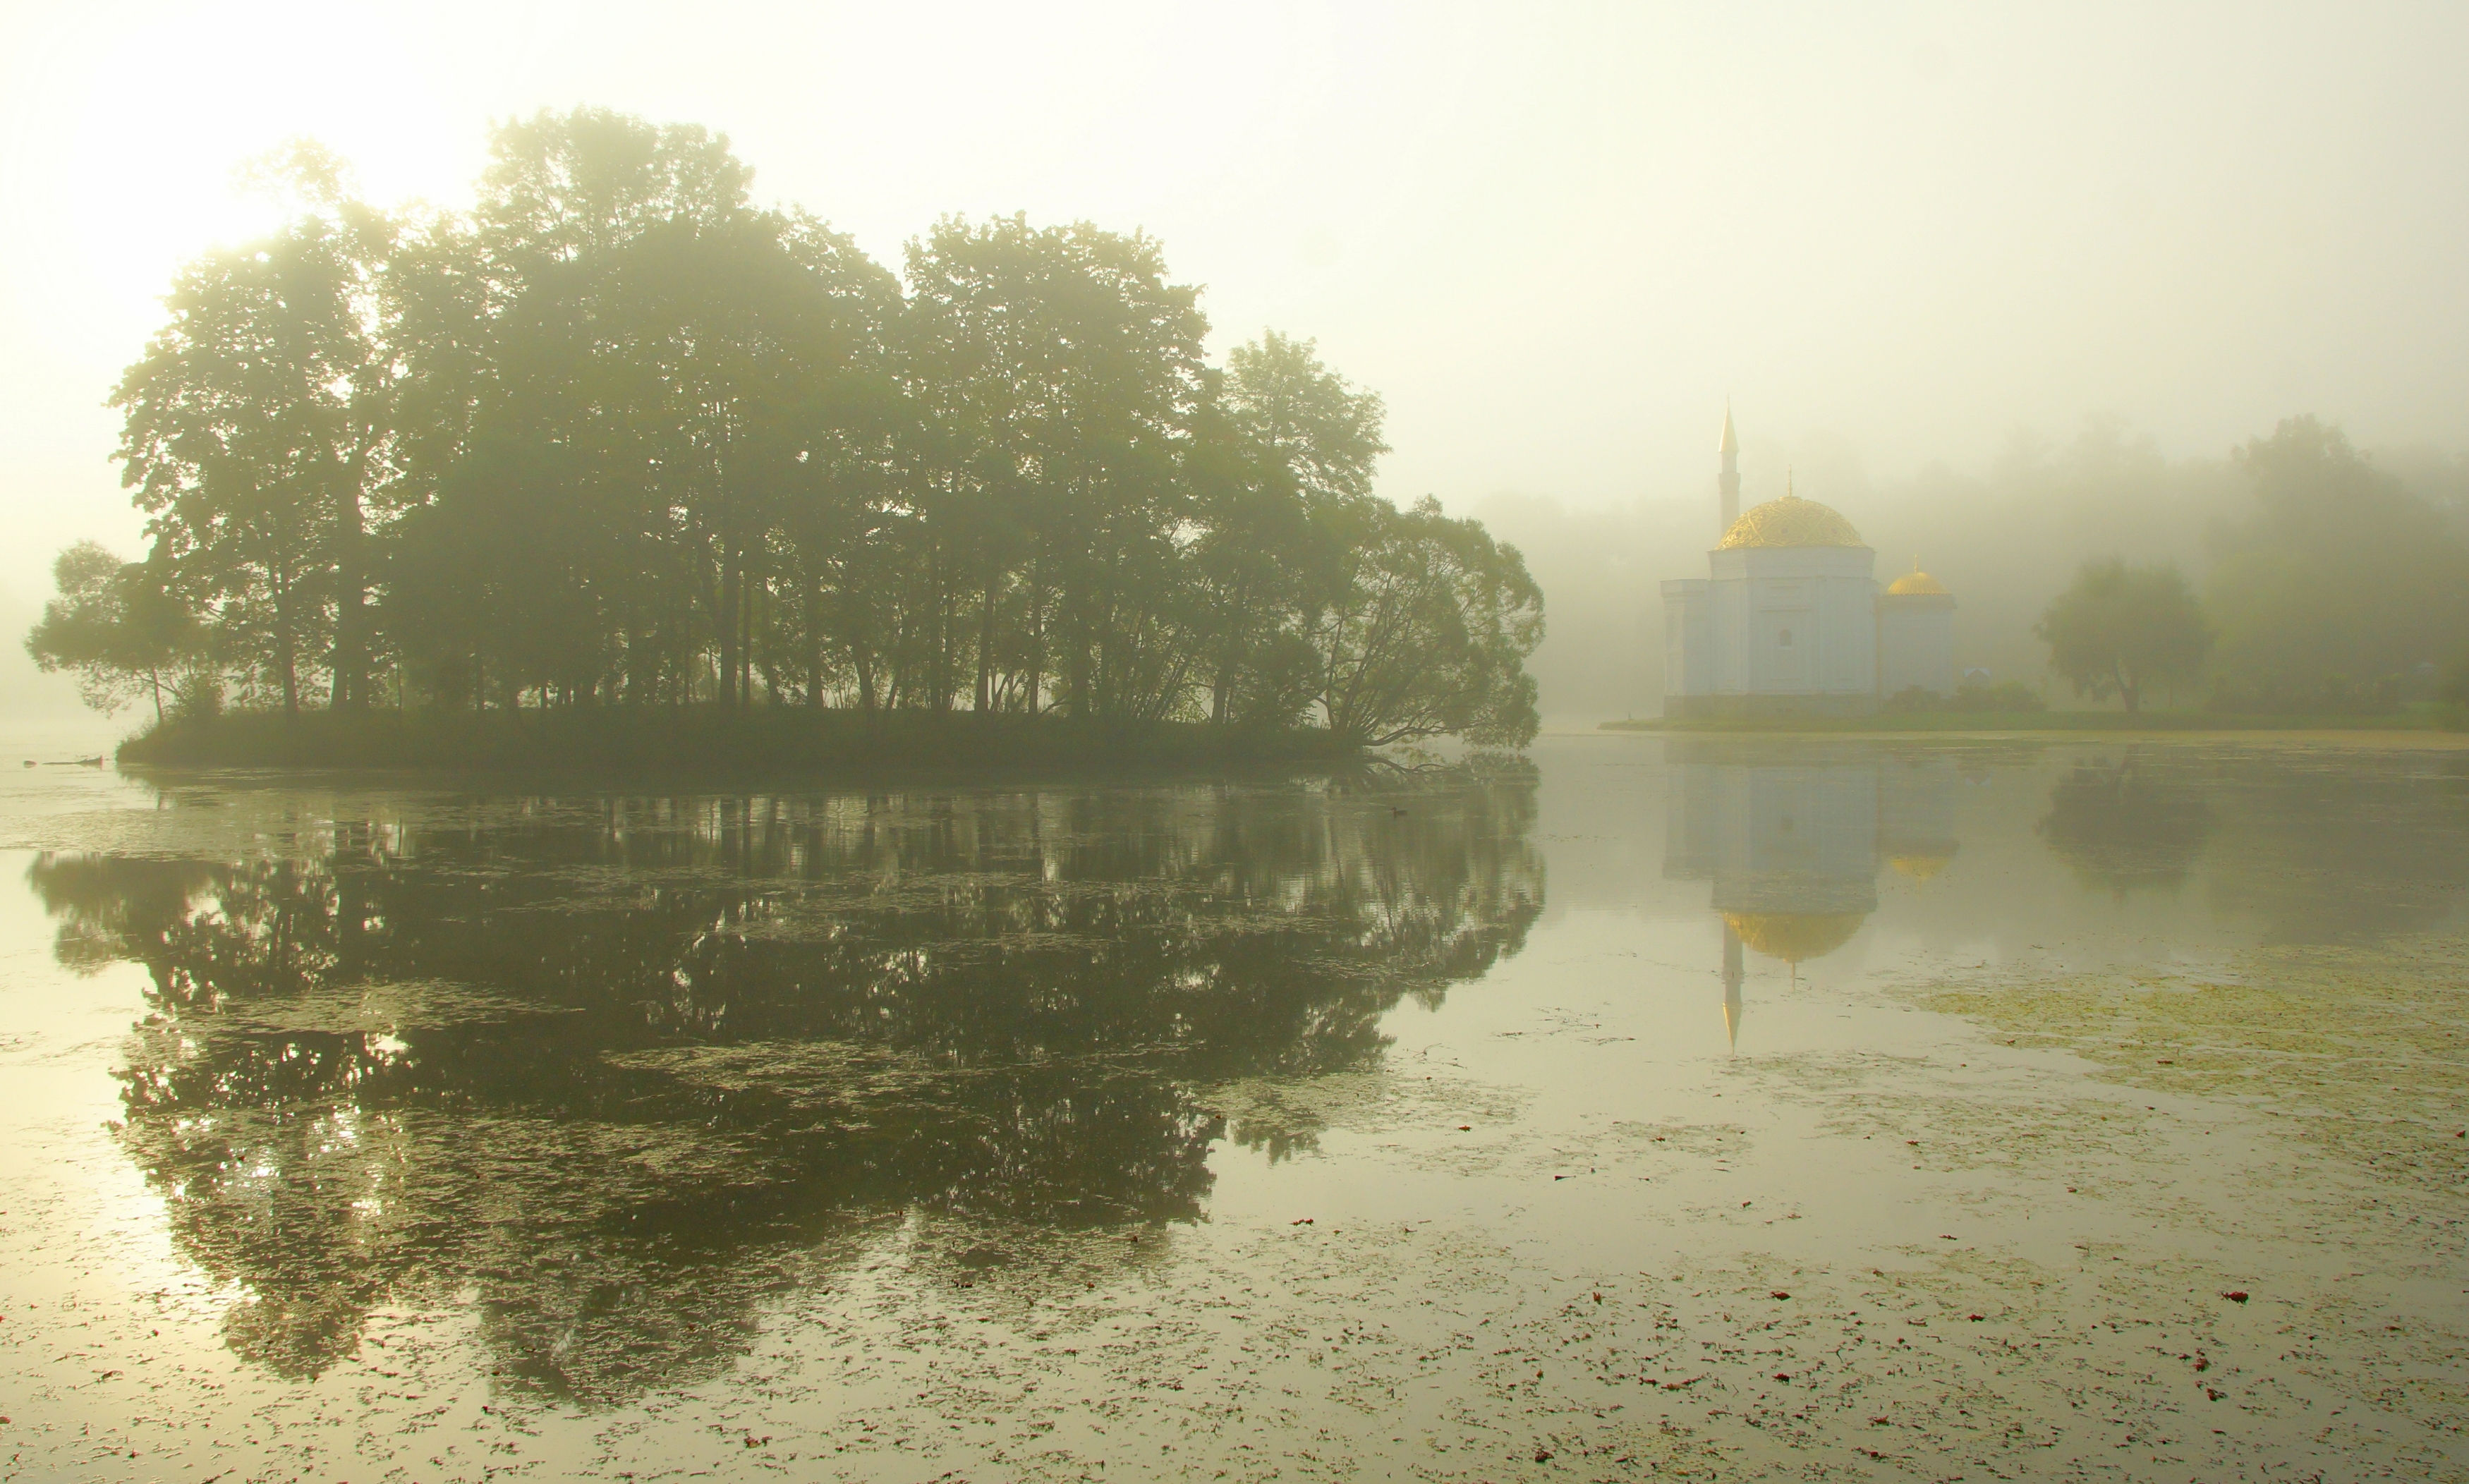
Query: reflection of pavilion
1793	848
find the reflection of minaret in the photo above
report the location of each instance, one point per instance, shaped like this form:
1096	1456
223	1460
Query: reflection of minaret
1732	977
1729	482
1791	847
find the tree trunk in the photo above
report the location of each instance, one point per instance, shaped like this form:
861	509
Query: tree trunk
986	652
351	611
727	626
815	642
1036	644
748	596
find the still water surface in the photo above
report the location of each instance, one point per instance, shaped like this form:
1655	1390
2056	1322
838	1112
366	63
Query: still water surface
1662	1107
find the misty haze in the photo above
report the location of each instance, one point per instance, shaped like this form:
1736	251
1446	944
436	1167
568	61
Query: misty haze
1356	741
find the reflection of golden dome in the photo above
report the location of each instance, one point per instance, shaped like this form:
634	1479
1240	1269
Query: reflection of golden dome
1917	584
1790	521
1922	865
1795	936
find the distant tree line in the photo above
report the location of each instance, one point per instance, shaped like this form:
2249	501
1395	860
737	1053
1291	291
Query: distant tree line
2339	592
618	438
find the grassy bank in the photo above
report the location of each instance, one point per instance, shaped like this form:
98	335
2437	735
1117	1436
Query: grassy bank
2047	721
705	740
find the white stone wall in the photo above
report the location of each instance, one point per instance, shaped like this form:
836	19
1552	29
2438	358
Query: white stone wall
1795	620
1687	645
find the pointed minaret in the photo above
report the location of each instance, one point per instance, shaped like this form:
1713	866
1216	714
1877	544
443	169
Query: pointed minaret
1729	482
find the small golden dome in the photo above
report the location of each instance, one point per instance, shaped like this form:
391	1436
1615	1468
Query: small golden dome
1790	521
1917	584
1795	936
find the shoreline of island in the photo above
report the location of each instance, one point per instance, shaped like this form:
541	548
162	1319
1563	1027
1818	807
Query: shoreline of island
705	739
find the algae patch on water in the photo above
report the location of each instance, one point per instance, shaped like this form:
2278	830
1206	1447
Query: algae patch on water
2362	1051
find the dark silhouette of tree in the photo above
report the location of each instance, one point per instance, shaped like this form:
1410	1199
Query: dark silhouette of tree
620	438
114	627
258	434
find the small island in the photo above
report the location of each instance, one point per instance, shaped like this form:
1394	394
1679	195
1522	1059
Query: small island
619	469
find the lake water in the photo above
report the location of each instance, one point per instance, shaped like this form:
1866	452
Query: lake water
1663	1108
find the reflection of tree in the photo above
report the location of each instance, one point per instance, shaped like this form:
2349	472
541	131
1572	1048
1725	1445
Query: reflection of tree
2363	849
2122	830
614	1065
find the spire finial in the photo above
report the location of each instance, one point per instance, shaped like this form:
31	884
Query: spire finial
1787	484
1730	442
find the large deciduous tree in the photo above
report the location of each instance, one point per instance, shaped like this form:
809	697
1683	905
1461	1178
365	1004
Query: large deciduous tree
2121	630
1058	370
257	431
113	627
1429	632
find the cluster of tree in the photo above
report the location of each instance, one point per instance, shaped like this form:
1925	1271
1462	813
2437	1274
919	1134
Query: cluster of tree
2339	591
618	437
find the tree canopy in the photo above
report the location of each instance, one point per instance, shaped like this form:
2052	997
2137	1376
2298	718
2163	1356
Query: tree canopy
114	628
620	436
2338	584
2121	630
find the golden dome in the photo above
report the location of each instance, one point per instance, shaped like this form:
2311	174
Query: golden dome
1795	936
1917	584
1790	521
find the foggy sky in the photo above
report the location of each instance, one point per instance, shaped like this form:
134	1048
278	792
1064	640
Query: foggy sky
1553	239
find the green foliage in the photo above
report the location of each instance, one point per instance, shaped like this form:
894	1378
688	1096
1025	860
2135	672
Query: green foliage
2121	630
620	438
2338	585
113	627
256	436
1427	634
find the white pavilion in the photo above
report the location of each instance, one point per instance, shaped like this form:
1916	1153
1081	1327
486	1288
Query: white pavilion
1791	616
